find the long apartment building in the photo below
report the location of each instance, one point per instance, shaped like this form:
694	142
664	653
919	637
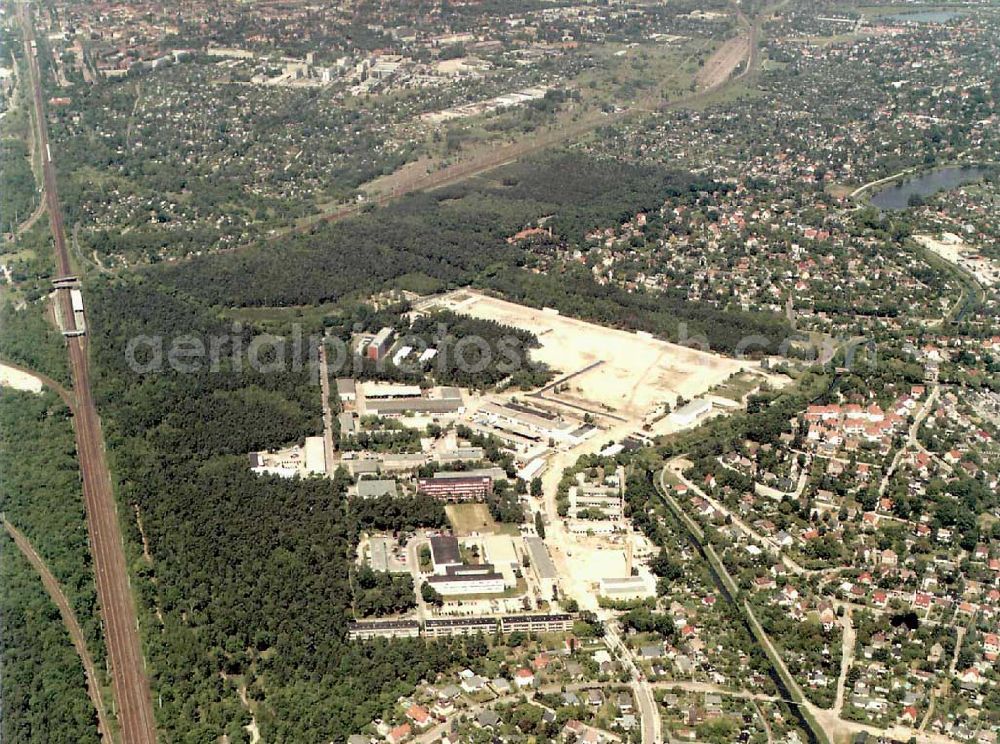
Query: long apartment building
461	626
462	488
362	631
548	623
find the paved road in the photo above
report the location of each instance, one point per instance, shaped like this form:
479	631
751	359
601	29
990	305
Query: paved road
131	687
72	627
911	438
324	381
413	558
642	691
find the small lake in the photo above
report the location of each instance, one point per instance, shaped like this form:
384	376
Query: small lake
896	196
925	16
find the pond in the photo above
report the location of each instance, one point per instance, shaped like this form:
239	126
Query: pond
897	196
926	16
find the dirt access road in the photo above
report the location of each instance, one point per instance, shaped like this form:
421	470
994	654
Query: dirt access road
131	687
72	627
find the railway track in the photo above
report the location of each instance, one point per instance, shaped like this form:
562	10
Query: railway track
130	685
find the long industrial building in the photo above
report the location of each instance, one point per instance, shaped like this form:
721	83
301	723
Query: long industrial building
468	579
541	564
409	400
605	499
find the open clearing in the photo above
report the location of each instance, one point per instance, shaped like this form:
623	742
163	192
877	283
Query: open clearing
721	65
626	372
467	519
15	378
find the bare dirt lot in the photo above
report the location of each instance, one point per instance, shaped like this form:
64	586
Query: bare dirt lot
19	380
621	371
723	62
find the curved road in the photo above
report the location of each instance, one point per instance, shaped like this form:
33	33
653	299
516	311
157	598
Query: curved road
134	703
72	627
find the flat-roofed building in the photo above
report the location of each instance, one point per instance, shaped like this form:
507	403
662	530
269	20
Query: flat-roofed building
528	422
459	626
500	550
389	391
361	465
361	631
381	399
379	345
627	587
468	579
458	454
315	455
594	526
445	552
461	488
347	425
402	461
414	406
347	390
548	623
604	499
76	302
373	488
691	412
494	474
541	564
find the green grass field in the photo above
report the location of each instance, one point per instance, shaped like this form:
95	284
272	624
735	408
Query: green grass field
468	518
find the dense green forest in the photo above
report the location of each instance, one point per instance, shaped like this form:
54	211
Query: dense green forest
458	235
44	691
472	352
28	339
40	493
398	514
18	194
250	576
378	593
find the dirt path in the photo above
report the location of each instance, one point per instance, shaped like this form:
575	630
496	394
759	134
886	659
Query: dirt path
32	219
847	658
72	627
47	381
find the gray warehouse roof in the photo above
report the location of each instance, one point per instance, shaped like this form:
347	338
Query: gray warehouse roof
444	550
540	559
370	489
